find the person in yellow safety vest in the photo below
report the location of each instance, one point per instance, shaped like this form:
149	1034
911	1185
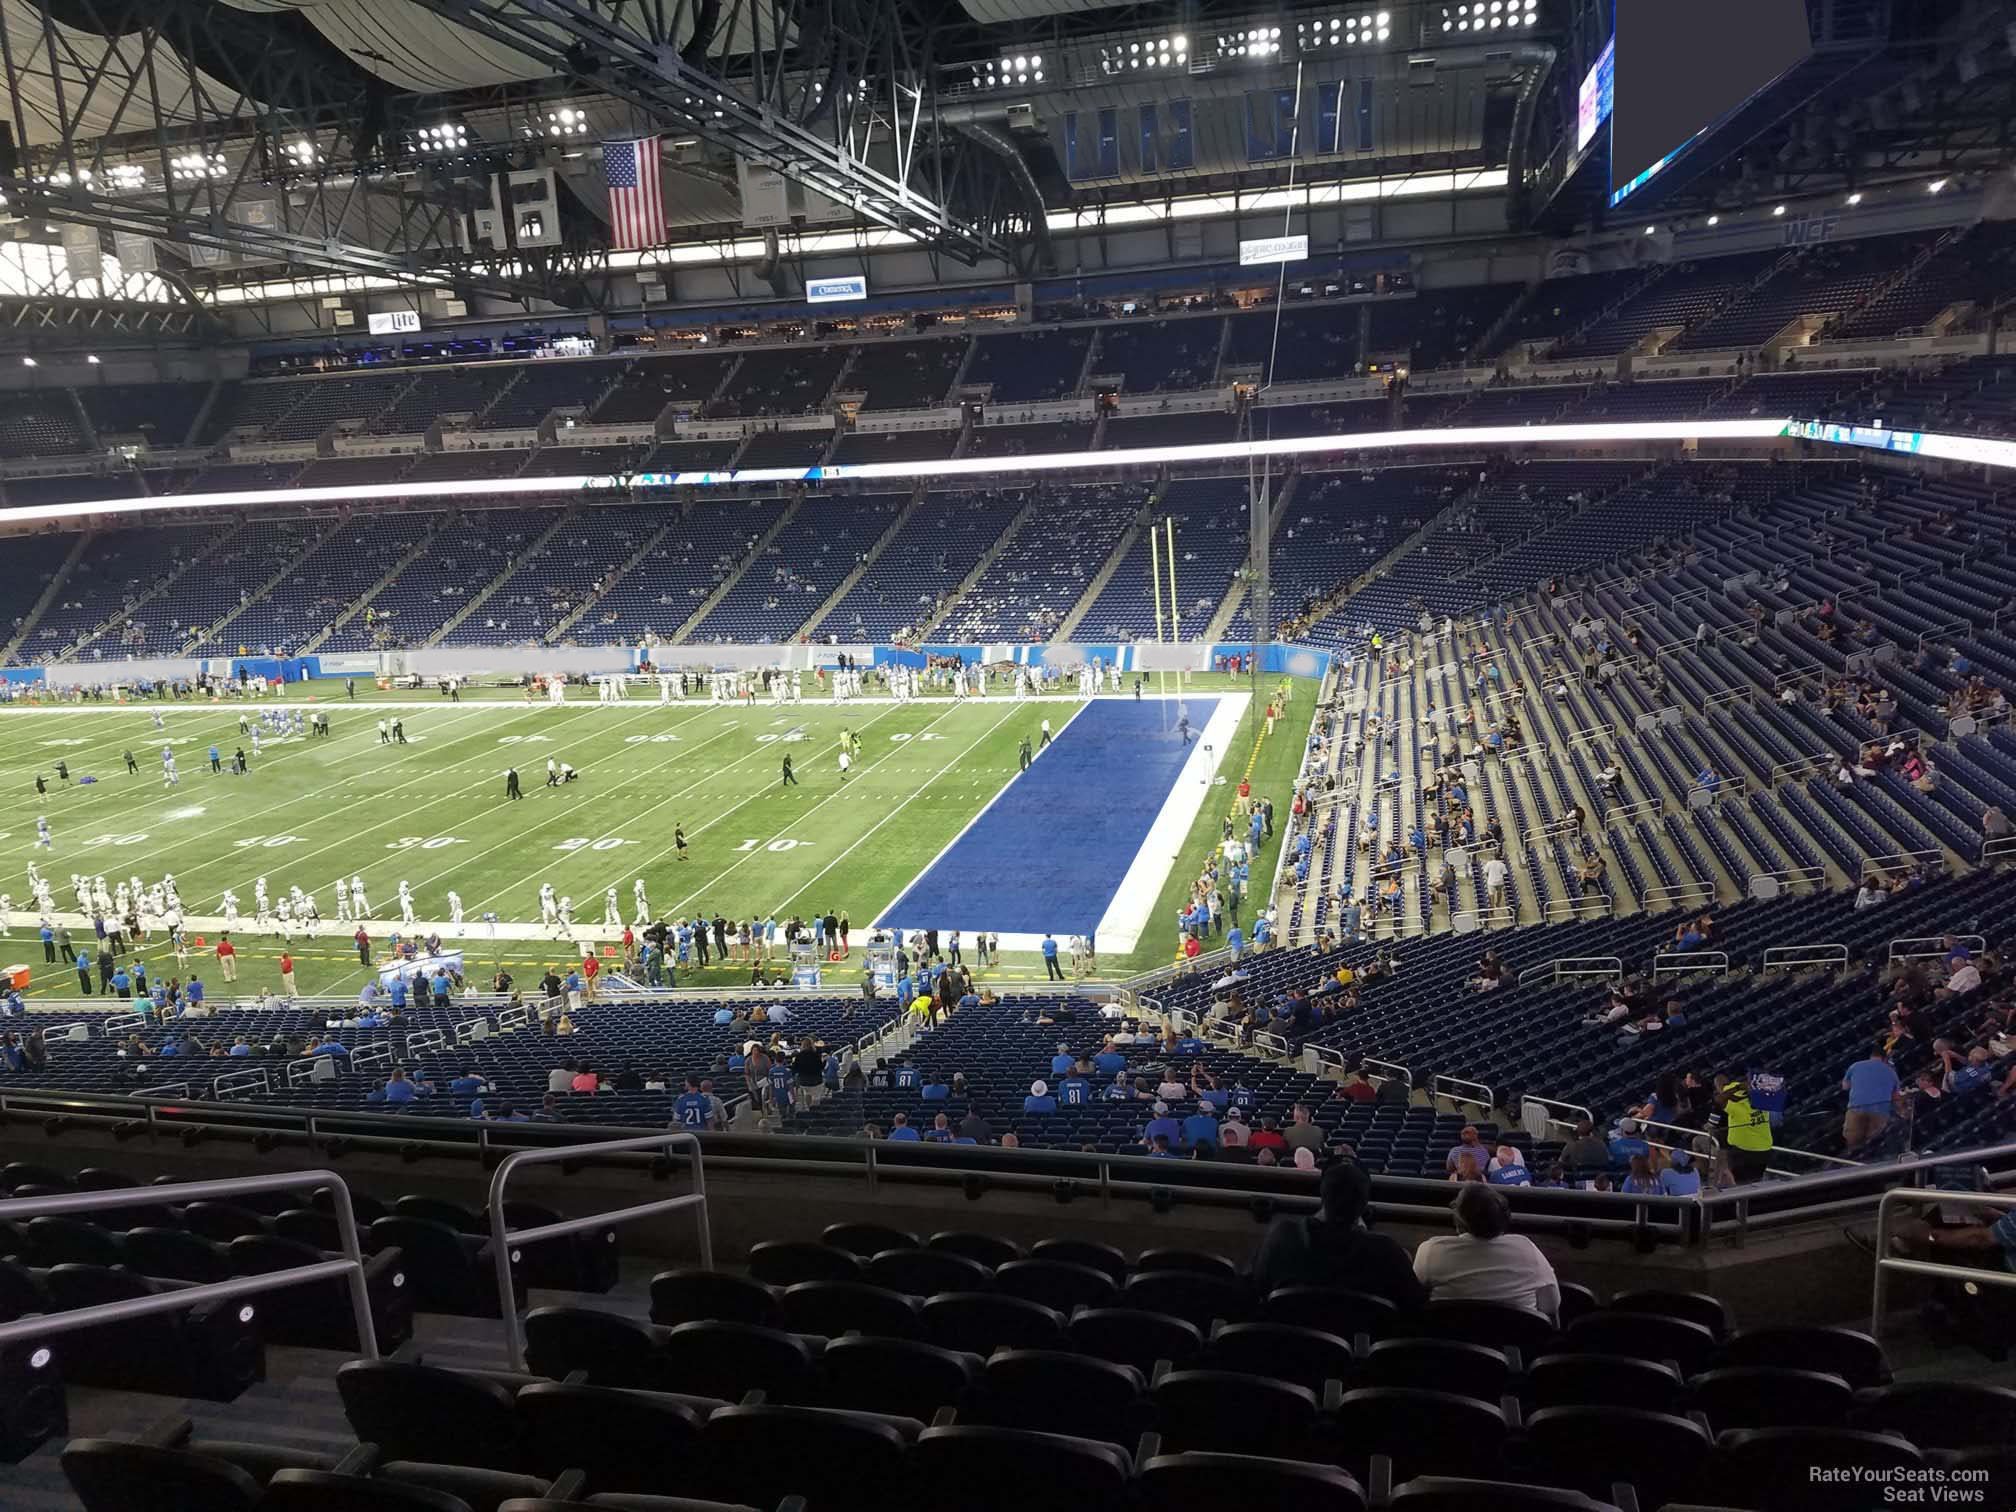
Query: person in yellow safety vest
1746	1130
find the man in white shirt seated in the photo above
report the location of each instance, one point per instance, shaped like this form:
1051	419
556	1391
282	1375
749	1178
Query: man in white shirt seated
1483	1261
1966	977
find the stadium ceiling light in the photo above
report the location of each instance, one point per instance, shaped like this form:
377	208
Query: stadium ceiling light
28	362
1651	230
1855	198
1777	209
197	165
302	153
1935	186
92	358
1714	220
567	121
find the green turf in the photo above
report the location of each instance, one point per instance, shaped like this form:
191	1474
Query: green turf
432	812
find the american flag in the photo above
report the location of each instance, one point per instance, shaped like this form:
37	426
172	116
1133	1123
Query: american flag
636	201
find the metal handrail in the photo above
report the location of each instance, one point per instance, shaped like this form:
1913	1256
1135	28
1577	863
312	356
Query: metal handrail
1888	1264
1792	957
1694	889
1487	1102
1683	962
1680	1144
350	1267
502	1238
1787	876
1555	1102
1578	908
1899	953
1803	766
1644	808
1901	860
1578	966
1391	1068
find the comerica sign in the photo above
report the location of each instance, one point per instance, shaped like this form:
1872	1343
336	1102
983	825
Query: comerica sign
1273	249
829	290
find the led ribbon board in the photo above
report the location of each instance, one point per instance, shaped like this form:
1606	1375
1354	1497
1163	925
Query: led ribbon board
1979	451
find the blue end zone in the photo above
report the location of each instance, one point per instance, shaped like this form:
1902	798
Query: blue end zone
1051	851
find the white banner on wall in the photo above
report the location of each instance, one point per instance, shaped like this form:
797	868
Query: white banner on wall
833	290
1273	249
82	256
766	195
136	253
395	323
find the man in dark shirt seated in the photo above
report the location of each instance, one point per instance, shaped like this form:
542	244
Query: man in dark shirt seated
1334	1248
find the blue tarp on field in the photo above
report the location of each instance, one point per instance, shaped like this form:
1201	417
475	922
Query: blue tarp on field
1051	851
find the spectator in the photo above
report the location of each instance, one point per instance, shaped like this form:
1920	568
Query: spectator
1200	1132
1640	1181
1585	1151
1039	1099
1267	1140
1508	1168
585	1080
976	1128
899	1128
1161	1124
1628	1142
1871	1085
1680	1179
1302	1133
1232	1134
1469	1166
1470	1144
1964	978
1334	1247
1485	1262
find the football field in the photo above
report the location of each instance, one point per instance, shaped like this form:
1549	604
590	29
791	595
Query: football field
935	826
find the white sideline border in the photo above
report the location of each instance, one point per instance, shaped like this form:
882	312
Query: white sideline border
1129	910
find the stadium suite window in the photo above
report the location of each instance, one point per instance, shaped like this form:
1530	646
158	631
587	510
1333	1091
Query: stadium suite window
1092	144
1270	125
1165	138
1335	135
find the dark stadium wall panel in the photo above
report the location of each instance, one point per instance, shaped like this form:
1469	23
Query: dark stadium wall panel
750	1201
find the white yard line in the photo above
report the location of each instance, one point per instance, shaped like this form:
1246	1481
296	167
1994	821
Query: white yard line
970	747
435	814
678	756
797	817
630	818
162	802
946	848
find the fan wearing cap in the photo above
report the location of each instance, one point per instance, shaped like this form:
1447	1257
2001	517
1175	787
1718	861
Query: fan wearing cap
1039	1099
1232	1133
1679	1178
1626	1141
1163	1125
